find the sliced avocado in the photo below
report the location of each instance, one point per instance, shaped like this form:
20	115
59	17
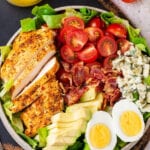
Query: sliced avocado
81	113
56	140
74	132
49	147
93	105
78	124
89	95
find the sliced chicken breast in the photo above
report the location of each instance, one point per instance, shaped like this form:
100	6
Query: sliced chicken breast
33	91
30	51
39	113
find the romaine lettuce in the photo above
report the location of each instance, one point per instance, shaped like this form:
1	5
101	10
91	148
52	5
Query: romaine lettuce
134	33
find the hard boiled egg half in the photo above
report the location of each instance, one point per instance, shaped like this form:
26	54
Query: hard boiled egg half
127	121
100	133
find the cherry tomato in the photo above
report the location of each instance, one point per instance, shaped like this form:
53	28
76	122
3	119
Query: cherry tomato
68	54
95	22
106	46
65	31
108	61
94	33
76	39
88	54
123	45
109	34
74	21
117	30
128	1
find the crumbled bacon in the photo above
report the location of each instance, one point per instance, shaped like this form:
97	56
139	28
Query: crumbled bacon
73	96
77	77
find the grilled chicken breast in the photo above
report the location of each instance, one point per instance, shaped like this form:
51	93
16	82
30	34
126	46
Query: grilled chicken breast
39	113
33	91
30	51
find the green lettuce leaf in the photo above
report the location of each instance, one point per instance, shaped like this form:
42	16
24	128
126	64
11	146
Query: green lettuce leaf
133	33
146	116
53	21
4	51
30	141
120	144
14	118
43	133
110	17
6	87
28	24
87	14
147	80
17	124
43	10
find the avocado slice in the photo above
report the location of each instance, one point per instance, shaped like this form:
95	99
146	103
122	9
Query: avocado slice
89	95
58	140
50	147
93	105
81	113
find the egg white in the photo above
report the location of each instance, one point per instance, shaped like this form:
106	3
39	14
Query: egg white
118	109
104	118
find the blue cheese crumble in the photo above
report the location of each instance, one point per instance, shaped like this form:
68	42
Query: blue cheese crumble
134	66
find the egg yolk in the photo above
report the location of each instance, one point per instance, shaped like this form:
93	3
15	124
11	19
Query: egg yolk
130	123
100	135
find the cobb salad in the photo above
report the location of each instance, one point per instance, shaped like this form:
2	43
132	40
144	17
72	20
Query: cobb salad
76	79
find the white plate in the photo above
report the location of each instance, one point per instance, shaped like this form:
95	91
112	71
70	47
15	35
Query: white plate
3	117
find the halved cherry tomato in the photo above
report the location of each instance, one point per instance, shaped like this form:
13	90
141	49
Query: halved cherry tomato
88	54
65	31
117	30
106	46
76	39
109	34
68	54
123	45
95	22
74	21
94	33
108	61
128	1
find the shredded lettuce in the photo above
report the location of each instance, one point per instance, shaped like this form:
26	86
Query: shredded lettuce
147	80
43	10
42	133
28	24
135	95
76	146
17	123
120	144
79	144
72	12
86	146
4	51
14	118
87	14
110	17
30	141
146	116
6	87
53	21
133	33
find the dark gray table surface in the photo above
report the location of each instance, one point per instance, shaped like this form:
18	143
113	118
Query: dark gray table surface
9	22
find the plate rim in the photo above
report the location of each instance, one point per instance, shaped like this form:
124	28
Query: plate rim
4	118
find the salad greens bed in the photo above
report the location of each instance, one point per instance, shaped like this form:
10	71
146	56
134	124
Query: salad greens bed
46	14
